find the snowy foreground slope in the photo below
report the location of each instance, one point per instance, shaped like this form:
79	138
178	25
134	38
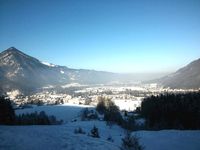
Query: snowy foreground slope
62	137
52	138
170	140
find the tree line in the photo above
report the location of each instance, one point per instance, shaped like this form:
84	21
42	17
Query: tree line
172	111
8	116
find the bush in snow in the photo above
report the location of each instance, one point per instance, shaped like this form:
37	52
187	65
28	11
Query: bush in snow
110	139
101	106
94	132
87	114
112	113
79	131
110	110
129	123
7	114
130	142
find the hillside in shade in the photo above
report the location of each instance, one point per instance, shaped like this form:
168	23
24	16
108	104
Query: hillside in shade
21	71
187	77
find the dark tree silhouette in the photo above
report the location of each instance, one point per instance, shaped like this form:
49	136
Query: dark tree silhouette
95	132
177	111
7	114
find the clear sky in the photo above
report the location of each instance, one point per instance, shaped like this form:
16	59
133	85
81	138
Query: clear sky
110	35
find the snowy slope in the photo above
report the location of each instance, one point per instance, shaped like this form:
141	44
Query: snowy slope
63	137
170	140
55	137
66	112
58	137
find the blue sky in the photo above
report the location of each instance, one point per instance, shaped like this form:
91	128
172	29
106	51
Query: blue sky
111	35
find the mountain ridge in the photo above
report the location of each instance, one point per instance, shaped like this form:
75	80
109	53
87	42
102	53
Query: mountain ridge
26	73
187	77
21	71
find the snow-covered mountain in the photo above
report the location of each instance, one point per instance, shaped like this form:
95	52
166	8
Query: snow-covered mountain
187	77
26	73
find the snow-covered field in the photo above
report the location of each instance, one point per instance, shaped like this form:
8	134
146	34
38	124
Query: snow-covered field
63	137
58	137
129	105
170	140
66	112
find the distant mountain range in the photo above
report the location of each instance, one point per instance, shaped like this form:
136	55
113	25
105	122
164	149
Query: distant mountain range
187	77
26	73
23	72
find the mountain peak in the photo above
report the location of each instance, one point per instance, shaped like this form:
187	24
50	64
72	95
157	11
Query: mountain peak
14	57
14	52
12	48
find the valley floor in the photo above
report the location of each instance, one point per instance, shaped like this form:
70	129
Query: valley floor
63	137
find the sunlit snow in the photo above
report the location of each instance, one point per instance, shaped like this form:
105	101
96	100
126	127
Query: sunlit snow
48	64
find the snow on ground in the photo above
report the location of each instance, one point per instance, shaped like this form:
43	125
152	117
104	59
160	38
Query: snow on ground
62	72
63	137
48	64
58	137
48	87
101	88
66	112
72	85
170	140
127	104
